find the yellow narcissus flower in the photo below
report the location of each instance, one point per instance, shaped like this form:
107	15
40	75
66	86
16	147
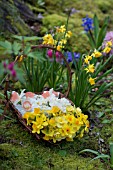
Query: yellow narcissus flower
19	58
90	68
68	34
61	29
29	117
109	43
46	138
92	80
68	130
107	50
70	109
52	122
70	118
59	47
63	41
55	109
87	59
37	111
96	53
48	39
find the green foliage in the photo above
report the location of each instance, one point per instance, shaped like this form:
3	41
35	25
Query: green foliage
106	158
82	93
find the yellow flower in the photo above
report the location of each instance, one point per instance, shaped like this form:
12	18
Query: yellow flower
48	39
55	109
29	117
96	54
68	34
107	49
90	68
61	29
63	41
46	137
87	59
70	118
109	43
92	80
59	47
70	109
52	122
68	130
37	111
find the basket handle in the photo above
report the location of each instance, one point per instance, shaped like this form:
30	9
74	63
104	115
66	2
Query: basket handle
67	65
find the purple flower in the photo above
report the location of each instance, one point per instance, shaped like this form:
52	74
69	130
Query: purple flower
13	73
71	56
50	53
4	65
10	66
87	23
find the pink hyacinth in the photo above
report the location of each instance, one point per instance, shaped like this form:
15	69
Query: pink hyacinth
50	53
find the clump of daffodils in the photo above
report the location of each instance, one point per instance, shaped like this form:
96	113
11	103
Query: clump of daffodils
91	61
56	125
59	39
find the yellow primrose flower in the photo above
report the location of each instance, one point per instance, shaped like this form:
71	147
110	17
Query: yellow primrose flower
96	54
92	80
68	34
90	68
107	49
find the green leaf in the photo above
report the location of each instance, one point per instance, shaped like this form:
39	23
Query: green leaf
102	156
1	111
6	44
96	27
33	38
102	32
16	47
2	96
89	150
106	121
37	55
100	114
27	49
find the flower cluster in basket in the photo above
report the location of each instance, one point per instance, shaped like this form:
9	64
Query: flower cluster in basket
51	117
